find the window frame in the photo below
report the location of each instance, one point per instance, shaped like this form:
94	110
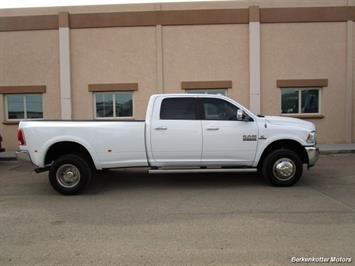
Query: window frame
24	95
299	91
113	105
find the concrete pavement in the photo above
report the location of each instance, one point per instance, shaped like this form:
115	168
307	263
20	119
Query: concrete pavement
129	217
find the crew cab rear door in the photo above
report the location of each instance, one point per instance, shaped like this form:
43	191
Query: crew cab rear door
176	132
226	141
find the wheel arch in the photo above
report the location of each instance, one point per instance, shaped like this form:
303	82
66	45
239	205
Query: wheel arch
60	148
289	144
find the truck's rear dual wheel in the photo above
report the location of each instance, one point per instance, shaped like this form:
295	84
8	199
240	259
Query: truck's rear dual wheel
70	174
282	167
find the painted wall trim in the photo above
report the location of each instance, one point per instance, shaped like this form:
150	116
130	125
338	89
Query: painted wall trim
18	23
254	60
287	83
254	14
106	87
23	89
180	17
64	66
159	58
307	14
63	19
200	85
165	18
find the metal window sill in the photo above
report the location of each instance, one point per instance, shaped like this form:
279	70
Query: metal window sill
11	122
310	116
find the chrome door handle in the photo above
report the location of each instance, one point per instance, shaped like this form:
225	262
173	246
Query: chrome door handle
213	128
161	128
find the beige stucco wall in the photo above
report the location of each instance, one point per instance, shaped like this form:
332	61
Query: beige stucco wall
29	58
302	51
207	53
112	55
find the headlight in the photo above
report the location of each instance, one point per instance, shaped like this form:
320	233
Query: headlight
311	138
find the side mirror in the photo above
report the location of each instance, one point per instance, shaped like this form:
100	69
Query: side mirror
240	115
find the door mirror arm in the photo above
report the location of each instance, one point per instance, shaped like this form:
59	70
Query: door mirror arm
242	116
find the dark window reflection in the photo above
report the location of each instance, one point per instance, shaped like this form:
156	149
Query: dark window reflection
310	101
289	101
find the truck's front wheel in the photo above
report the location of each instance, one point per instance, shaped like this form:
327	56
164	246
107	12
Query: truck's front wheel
282	167
70	174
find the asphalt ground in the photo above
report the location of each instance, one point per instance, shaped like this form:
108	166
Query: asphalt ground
129	217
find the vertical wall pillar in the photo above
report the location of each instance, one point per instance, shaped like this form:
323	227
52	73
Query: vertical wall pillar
254	59
64	66
349	82
159	58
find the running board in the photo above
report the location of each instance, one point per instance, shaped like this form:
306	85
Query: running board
206	170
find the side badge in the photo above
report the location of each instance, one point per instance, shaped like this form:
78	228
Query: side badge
249	137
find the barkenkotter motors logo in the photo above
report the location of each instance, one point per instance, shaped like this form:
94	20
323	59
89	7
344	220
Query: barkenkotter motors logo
321	260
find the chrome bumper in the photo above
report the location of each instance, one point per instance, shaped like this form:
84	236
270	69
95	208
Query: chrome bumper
23	156
313	155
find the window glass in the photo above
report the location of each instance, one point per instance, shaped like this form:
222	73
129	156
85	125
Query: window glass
124	105
208	91
310	101
15	106
104	104
289	101
24	106
300	101
178	108
34	106
217	109
116	104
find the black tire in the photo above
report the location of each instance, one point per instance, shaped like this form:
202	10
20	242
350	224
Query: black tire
279	176
76	177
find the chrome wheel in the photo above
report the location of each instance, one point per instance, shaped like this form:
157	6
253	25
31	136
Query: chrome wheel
68	175
284	169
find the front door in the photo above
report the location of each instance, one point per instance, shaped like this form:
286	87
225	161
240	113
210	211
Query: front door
226	141
176	133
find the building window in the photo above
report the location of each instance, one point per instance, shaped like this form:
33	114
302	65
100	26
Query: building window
300	101
208	91
24	106
114	104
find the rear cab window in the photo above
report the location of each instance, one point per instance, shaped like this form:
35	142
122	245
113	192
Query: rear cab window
179	108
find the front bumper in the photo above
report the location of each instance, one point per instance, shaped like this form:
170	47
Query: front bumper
23	156
313	155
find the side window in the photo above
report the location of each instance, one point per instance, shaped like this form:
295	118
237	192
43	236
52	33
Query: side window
217	109
178	109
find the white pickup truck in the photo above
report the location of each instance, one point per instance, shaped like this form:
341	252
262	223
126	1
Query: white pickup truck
182	133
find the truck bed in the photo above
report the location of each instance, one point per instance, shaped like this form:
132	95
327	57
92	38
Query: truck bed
111	143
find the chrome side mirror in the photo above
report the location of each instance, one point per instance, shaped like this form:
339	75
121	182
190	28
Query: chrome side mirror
240	115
